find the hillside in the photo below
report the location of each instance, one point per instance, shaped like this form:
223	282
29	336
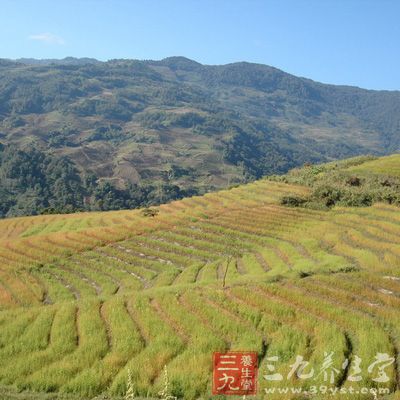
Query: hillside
87	297
145	132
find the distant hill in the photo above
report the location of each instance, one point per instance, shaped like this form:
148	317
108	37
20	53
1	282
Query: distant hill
143	132
64	61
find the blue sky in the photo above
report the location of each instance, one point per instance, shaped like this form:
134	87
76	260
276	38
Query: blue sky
353	42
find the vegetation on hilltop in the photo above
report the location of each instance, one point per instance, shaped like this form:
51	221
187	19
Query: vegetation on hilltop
360	181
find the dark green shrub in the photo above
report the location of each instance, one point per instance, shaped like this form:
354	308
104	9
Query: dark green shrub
293	201
150	212
353	181
330	195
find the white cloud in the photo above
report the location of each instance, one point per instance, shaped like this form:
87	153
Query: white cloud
47	38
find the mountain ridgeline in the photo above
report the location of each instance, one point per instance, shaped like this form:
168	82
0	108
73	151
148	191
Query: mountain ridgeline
80	134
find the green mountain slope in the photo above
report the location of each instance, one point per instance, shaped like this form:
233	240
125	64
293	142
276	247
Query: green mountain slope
182	125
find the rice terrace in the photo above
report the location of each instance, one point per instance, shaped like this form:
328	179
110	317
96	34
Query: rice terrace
103	304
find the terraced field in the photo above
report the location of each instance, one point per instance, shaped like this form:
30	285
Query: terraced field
86	298
381	166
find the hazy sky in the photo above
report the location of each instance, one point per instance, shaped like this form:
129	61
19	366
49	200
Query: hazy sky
354	42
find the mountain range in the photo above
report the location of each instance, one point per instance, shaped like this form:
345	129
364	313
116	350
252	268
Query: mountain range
81	134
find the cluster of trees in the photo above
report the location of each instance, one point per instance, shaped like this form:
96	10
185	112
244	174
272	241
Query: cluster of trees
332	185
262	148
114	108
353	191
32	182
162	119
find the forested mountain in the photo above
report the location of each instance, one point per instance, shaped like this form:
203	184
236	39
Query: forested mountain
85	134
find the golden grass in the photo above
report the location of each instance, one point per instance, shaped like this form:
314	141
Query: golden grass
85	298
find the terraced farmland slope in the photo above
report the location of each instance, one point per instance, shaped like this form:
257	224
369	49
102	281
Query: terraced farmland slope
381	166
85	298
